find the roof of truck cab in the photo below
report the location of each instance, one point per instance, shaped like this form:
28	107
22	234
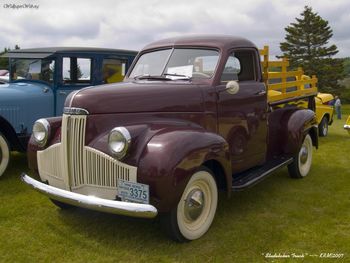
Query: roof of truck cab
219	41
48	51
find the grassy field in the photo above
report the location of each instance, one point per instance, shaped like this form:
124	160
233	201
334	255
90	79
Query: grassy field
278	216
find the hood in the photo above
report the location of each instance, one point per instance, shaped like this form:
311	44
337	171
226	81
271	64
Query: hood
139	96
15	91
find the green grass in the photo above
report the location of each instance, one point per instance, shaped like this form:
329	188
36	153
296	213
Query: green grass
279	215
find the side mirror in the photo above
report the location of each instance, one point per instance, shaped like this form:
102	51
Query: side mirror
232	87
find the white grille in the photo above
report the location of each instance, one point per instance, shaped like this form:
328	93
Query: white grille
45	163
104	170
76	165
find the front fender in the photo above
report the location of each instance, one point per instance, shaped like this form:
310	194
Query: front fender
173	155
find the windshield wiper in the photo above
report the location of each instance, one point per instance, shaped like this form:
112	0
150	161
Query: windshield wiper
178	76
151	77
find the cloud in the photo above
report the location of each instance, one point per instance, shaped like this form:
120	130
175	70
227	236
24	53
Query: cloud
133	24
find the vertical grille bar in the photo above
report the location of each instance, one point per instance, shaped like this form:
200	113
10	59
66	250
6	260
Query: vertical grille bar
75	149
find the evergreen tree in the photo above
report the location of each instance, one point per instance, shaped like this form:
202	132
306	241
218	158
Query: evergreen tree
307	45
4	62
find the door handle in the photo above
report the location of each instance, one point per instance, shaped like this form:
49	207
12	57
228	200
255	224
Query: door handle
62	93
261	92
46	90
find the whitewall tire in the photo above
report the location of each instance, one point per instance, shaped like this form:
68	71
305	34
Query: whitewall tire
4	154
301	165
196	209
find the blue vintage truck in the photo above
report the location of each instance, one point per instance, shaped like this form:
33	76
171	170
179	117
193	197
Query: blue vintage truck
41	79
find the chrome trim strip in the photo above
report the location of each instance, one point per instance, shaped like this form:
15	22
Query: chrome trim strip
71	99
92	202
75	111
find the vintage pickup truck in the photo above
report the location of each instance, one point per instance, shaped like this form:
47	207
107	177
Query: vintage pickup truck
191	118
41	79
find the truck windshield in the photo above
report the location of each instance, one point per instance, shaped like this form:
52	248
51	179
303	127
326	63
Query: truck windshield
32	69
178	63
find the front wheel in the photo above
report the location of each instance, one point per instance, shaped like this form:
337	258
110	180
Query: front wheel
195	212
301	164
4	154
323	127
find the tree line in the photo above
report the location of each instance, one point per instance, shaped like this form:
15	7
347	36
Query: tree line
4	62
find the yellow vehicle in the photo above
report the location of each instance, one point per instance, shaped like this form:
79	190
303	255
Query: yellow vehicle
347	125
285	84
324	112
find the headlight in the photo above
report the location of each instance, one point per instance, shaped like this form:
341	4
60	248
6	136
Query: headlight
118	141
41	131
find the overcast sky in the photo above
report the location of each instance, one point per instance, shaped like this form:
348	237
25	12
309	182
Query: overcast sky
131	24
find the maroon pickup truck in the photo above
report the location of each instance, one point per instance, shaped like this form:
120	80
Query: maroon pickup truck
190	119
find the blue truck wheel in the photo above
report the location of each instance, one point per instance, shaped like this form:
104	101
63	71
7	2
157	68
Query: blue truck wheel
4	154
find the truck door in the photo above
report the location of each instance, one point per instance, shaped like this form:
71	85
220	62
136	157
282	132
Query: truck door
77	73
242	114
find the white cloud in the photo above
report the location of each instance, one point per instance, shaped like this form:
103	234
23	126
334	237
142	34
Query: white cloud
134	23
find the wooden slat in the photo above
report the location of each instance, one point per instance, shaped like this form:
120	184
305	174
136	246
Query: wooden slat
301	81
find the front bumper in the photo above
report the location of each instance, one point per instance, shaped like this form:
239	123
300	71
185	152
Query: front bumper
92	202
347	127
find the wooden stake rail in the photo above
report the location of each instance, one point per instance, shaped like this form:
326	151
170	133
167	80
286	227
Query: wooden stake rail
300	86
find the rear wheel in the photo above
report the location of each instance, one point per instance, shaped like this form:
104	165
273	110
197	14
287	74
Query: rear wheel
4	154
301	164
323	127
195	212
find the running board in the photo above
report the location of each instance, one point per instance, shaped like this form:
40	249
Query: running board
255	175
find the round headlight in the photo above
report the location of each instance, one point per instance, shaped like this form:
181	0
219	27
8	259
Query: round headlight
41	130
118	141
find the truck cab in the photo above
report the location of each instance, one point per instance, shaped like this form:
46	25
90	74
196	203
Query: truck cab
40	79
191	118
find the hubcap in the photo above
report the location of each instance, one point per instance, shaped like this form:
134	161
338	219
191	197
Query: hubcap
194	204
325	129
303	154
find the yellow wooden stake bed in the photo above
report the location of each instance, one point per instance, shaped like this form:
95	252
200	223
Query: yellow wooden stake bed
283	85
301	85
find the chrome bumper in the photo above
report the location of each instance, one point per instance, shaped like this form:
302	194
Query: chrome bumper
92	202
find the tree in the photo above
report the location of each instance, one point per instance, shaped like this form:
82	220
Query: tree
4	62
307	45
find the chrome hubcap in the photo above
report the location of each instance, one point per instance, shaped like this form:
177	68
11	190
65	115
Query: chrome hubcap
303	154
194	204
325	129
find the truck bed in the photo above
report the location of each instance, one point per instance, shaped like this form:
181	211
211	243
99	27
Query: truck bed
283	85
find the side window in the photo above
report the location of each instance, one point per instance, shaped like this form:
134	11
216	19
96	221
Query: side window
76	70
240	66
231	70
113	70
248	65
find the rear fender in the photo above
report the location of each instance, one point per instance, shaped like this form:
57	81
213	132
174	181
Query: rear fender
300	123
171	157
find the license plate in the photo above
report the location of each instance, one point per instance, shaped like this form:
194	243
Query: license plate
135	192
